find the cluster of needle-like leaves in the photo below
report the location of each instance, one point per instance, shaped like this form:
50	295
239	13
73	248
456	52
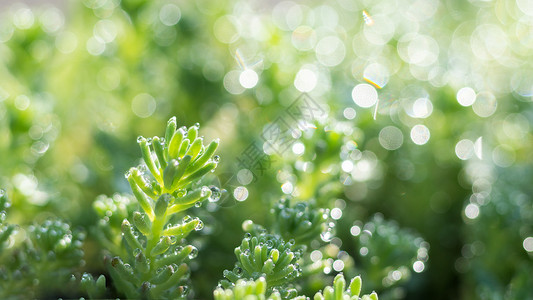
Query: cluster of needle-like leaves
265	255
154	265
257	290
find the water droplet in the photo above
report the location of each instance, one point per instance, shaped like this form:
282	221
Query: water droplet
204	192
238	271
247	235
127	174
198	204
326	236
140	138
197	125
216	158
199	226
292	242
269	244
2	192
194	252
181	193
149	141
187	219
215	194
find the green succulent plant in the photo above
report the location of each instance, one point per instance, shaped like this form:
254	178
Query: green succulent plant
169	182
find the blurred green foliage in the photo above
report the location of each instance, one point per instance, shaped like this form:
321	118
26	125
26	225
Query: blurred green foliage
406	126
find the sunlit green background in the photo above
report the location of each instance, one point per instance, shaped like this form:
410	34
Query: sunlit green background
433	97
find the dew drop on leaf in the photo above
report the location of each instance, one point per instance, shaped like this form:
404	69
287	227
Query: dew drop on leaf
194	253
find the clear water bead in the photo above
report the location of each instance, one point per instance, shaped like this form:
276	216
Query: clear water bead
215	194
194	252
199	226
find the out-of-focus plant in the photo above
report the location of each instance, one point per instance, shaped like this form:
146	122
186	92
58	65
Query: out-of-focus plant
42	263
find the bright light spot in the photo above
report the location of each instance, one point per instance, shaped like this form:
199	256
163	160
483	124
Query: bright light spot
336	213
478	147
347	166
464	149
381	31
363	251
418	266
420	134
391	138
528	244
231	82
355	230
105	30
245	176
422	108
330	51
143	105
170	14
22	102
466	96
485	104
526	6
316	255
225	29
364	95
338	265
298	148
488	42
349	113
472	211
52	20
95	46
305	80
287	188
503	156
396	275
66	42
367	18
240	193
248	78
418	49
23	18
304	38
377	75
